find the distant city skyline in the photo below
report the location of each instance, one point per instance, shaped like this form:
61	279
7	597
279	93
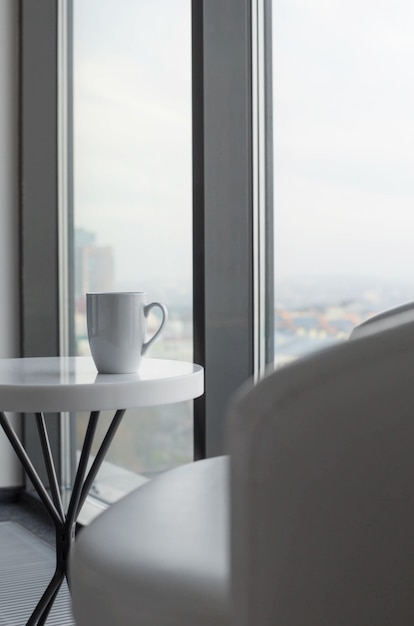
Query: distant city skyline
343	162
344	130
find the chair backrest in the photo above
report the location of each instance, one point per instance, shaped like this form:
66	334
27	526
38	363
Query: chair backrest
322	488
389	315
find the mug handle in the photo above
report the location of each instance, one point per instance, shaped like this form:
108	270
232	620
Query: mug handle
147	309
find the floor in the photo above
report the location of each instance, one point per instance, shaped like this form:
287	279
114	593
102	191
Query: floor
27	563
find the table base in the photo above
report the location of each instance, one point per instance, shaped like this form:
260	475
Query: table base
65	522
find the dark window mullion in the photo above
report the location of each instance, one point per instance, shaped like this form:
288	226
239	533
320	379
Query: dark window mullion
223	277
198	220
39	198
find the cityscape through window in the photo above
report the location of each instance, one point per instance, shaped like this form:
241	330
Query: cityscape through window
133	199
343	189
343	162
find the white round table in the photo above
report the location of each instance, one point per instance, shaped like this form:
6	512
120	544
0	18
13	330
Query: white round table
54	384
69	384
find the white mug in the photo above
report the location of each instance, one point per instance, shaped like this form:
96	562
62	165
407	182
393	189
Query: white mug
116	329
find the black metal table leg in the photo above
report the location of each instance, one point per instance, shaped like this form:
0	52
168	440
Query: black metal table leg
30	470
71	514
65	525
45	614
50	466
44	605
110	434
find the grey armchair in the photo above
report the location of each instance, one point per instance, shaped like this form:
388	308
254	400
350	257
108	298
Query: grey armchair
321	521
321	485
392	316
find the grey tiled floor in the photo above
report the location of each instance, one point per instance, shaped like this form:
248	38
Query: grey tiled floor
30	514
27	564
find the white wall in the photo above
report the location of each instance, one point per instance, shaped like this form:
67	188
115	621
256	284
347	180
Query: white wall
10	472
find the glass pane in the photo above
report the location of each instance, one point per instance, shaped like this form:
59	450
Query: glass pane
343	165
133	198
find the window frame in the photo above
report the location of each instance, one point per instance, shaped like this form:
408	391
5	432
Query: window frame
223	229
38	200
222	218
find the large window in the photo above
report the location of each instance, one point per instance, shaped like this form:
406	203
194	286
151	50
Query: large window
343	102
132	196
152	169
342	162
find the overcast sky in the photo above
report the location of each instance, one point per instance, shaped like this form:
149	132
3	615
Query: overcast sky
133	172
344	135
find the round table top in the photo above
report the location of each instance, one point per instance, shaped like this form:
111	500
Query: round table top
54	384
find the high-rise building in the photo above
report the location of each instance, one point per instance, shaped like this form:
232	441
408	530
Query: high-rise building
94	265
